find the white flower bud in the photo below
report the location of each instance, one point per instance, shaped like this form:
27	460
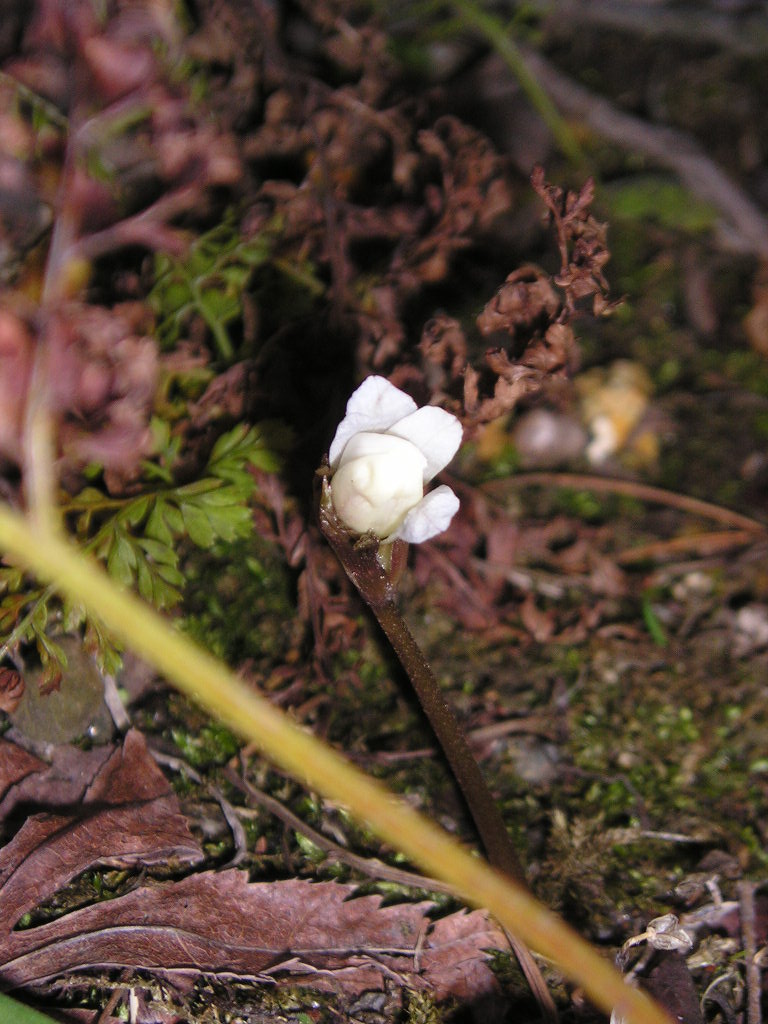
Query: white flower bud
385	450
379	480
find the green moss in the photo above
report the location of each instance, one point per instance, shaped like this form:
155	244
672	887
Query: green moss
422	1009
214	744
239	602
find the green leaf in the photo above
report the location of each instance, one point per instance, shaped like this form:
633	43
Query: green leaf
13	1012
157	527
72	615
136	511
102	645
196	488
217	305
177	296
174	519
157	551
170	574
121	560
11	579
164	595
255	252
263	458
652	623
231	523
198	527
229	442
89	496
219	496
235	277
145	582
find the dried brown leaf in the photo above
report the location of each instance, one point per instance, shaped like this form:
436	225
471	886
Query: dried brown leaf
526	296
208	923
450	962
11	689
670	983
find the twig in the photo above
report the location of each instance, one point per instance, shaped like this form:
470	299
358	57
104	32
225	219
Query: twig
746	891
372	867
632	489
702	543
147	228
746	228
532	725
239	839
732	32
37	447
111	1003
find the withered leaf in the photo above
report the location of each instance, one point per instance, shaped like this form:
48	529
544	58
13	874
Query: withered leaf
450	962
15	764
317	934
670	983
128	817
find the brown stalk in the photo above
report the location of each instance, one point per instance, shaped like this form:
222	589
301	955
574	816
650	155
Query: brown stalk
633	489
362	559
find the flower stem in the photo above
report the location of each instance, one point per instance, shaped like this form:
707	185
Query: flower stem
466	771
374	568
453	741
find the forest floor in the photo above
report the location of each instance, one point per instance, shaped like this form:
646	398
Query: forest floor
597	614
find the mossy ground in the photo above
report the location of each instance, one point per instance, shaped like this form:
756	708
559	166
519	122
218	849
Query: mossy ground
648	752
639	750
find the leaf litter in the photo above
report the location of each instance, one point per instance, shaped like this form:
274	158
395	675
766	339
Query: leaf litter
336	177
111	807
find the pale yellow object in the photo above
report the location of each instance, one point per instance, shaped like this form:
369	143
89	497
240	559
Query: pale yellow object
613	402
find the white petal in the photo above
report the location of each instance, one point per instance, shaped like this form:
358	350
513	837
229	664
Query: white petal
431	516
435	432
371	445
375	490
376	405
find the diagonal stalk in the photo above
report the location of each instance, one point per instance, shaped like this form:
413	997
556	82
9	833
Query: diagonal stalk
373	568
453	741
218	690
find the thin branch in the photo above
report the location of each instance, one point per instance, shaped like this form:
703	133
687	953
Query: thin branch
37	446
532	725
700	543
632	489
239	838
371	867
746	225
736	33
148	228
746	891
109	1006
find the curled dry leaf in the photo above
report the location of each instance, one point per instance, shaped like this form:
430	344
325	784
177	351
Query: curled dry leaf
11	689
526	297
533	313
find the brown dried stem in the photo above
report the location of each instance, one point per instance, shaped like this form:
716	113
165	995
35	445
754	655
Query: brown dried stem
632	489
361	562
